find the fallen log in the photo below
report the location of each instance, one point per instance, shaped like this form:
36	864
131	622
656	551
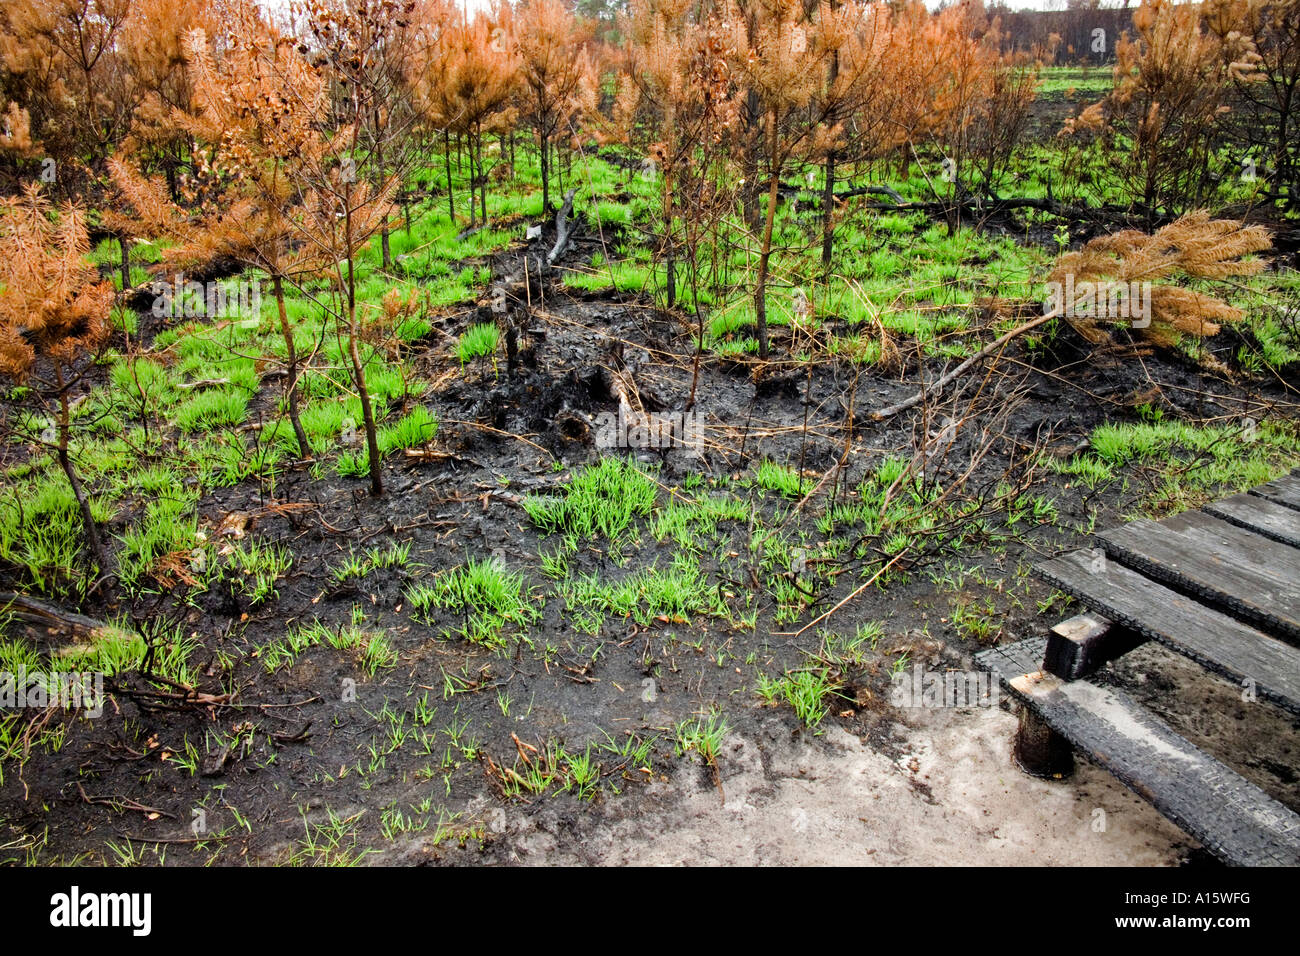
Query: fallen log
36	613
872	191
212	382
971	208
788	189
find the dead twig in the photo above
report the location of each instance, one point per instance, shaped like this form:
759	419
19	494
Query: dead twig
123	803
856	591
934	388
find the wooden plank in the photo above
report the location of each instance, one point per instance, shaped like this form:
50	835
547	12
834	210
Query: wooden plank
1081	645
1216	641
1284	490
1230	816
1260	515
1252	577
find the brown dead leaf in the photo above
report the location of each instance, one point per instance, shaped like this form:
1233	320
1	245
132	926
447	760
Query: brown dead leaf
233	525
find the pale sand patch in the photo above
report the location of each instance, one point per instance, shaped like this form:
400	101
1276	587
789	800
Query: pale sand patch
952	798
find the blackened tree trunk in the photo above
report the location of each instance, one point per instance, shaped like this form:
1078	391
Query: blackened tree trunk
385	251
291	357
446	153
482	175
64	426
765	253
546	174
828	189
749	162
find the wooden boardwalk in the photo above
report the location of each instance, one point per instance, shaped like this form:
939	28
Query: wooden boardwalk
1220	586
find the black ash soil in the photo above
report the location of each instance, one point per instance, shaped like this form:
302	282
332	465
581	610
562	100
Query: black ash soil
402	763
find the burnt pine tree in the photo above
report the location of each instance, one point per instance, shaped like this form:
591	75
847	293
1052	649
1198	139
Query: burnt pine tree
54	314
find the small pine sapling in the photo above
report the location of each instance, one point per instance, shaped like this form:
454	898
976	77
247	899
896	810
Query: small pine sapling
54	312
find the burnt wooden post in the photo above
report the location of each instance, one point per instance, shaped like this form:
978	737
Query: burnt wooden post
512	344
1217	586
1075	648
1081	645
1039	750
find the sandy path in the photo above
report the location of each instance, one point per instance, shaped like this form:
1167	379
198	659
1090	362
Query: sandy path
953	798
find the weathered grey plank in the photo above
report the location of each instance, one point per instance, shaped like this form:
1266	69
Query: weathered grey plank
1227	814
1080	645
1284	490
1252	577
1216	641
1260	515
